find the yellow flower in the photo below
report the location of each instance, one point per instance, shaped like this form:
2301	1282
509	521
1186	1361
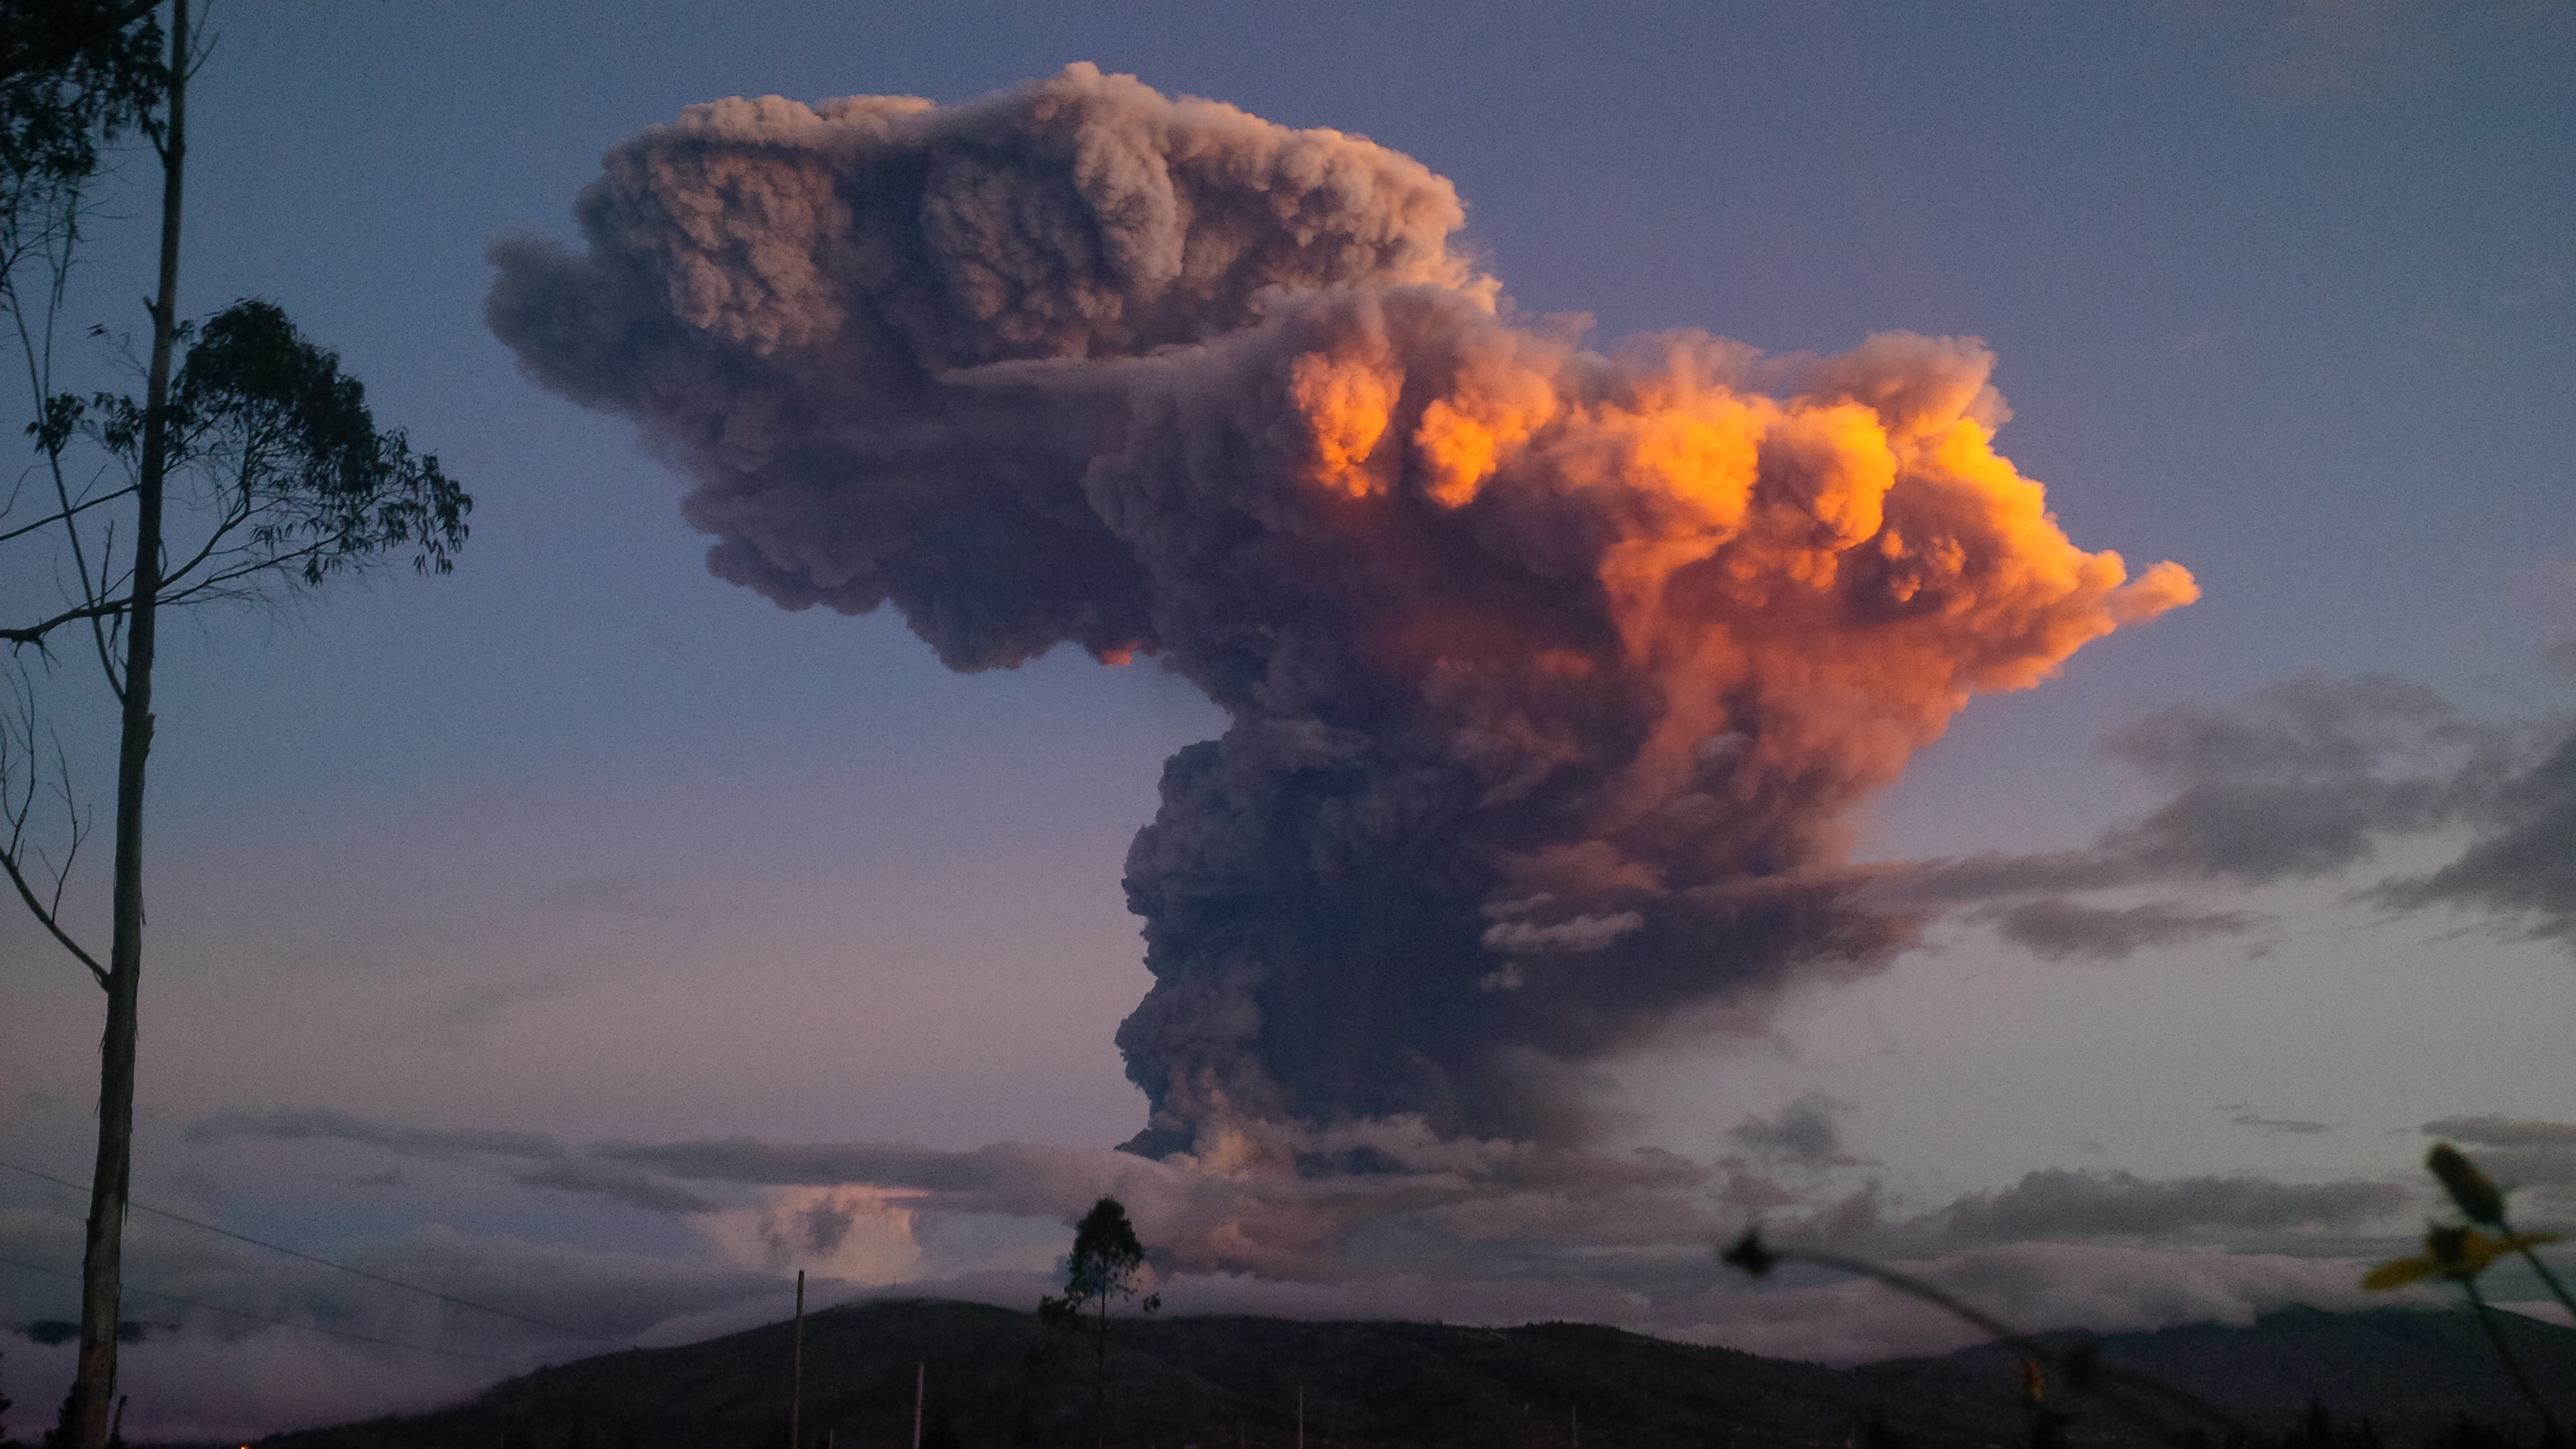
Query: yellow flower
2455	1253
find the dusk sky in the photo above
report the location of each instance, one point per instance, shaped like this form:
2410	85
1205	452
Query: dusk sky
586	934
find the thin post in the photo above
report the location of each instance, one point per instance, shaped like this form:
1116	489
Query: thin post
920	1383
1301	1416
1100	1375
796	1374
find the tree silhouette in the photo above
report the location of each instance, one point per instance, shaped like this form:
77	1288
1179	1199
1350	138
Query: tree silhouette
250	468
1107	1268
75	75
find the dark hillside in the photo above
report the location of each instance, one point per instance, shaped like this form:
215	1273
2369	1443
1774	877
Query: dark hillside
1213	1382
2412	1372
1209	1381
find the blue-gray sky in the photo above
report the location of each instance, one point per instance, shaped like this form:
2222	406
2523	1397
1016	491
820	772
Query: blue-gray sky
585	843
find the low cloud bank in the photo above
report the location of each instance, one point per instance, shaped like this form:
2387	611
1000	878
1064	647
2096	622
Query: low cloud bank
1388	1219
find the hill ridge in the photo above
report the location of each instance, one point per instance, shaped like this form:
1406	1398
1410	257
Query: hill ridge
1178	1381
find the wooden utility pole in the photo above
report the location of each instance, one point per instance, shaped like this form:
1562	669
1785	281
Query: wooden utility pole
920	1382
796	1374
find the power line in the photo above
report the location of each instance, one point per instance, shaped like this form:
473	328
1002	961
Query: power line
283	1322
325	1262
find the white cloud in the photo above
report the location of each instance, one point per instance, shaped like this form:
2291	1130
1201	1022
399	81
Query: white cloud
853	1233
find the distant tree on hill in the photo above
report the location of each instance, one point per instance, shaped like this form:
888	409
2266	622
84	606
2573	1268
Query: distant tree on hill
1107	1268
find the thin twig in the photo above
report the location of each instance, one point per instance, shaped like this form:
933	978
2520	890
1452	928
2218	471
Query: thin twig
2090	1376
45	918
51	519
16	809
2556	1288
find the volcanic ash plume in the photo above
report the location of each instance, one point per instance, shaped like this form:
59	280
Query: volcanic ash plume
1552	674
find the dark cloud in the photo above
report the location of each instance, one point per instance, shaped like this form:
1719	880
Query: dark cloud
2301	780
2297	780
1806	1133
558	1169
1551	675
2523	863
615	1182
2061	1204
2064	930
2280	1126
2496	1131
324	1125
752	1161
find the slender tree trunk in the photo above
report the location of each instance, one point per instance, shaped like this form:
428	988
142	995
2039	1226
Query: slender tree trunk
102	1263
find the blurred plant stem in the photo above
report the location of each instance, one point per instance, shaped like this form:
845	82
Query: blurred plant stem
2079	1366
2460	1253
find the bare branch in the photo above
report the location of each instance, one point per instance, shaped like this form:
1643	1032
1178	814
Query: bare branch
65	515
35	633
45	918
95	596
18	806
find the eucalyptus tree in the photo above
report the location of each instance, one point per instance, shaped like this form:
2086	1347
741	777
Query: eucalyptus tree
1107	1268
250	468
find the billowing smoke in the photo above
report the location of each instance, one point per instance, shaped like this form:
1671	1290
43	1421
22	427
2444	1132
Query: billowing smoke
1552	674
